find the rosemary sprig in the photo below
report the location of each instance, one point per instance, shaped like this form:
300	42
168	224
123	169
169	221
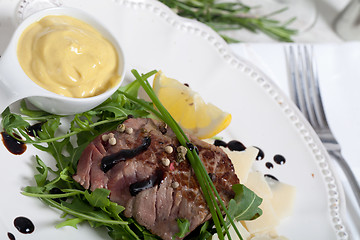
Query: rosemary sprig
210	193
223	16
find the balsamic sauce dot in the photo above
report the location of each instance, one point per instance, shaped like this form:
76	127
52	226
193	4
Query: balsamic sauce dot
269	165
33	129
220	143
13	145
212	176
279	159
197	150
11	236
24	225
186	84
271	176
130	116
235	145
190	146
163	129
260	155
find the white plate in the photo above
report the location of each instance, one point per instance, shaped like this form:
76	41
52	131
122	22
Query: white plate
155	38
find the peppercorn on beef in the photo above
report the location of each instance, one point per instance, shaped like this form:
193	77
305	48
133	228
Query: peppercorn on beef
154	183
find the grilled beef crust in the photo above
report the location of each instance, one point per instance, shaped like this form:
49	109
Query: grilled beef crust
157	207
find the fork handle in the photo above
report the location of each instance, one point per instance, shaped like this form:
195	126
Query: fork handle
354	184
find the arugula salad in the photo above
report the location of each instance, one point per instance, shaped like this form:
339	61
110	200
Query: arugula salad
56	187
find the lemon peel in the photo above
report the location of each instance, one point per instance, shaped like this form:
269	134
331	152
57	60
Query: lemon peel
188	108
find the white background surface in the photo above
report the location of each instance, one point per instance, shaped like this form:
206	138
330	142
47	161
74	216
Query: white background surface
322	32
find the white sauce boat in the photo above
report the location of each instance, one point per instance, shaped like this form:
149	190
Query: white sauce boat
16	85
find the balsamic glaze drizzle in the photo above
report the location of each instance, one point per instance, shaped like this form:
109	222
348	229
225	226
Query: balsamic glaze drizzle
24	225
153	180
110	161
13	145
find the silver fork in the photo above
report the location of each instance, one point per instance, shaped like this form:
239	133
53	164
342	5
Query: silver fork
306	95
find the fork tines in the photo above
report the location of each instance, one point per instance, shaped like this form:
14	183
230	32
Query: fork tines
305	84
306	94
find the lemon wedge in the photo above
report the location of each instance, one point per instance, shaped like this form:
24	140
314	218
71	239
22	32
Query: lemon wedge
187	107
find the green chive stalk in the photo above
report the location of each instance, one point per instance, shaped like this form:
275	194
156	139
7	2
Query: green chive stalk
209	190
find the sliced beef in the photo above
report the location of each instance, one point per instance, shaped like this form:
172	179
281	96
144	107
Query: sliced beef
174	192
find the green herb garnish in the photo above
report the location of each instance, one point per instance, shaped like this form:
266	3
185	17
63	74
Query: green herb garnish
234	15
95	207
212	197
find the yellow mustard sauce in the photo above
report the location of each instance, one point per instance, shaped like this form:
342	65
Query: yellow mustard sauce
69	57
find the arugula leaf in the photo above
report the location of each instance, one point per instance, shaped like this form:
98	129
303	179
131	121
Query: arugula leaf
34	114
82	205
66	175
33	189
43	172
184	226
83	138
78	205
11	121
245	205
95	207
98	198
114	208
205	232
119	233
70	222
132	88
